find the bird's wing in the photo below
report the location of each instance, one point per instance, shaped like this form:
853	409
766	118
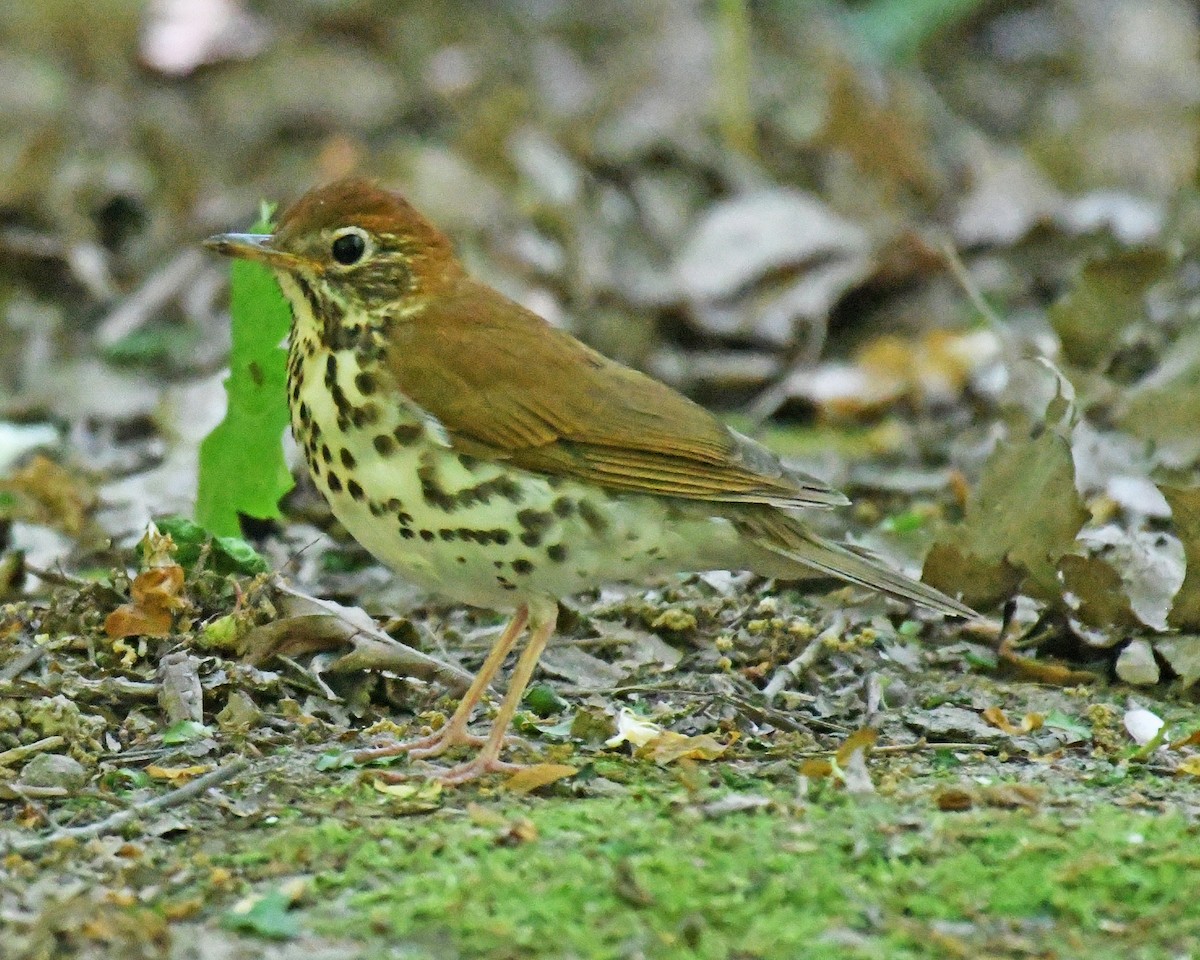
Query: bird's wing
505	384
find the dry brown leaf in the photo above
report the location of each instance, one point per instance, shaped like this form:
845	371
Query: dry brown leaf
537	776
862	739
49	494
1010	796
816	769
954	799
177	775
157	595
1054	674
670	746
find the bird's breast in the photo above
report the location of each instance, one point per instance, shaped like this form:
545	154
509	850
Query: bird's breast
477	531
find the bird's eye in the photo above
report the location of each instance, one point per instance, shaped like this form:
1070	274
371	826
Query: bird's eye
349	247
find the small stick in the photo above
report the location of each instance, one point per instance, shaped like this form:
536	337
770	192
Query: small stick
117	820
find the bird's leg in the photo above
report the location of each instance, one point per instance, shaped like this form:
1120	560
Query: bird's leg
454	732
488	759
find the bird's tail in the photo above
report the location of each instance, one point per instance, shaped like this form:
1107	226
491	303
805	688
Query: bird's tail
787	537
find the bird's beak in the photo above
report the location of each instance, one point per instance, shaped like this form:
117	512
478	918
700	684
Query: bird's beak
253	246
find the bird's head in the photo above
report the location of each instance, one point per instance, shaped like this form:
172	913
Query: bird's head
354	244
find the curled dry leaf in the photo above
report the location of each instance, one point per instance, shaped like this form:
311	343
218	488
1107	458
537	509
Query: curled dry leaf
157	596
538	775
49	494
1030	722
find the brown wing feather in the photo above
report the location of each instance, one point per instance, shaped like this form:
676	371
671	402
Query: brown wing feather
506	384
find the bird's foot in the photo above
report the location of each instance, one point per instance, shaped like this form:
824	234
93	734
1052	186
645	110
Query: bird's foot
435	744
478	766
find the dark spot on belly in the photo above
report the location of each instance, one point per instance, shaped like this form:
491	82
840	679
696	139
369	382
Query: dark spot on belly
497	564
563	507
348	460
365	383
468	462
522	566
537	520
377	509
407	434
384	445
331	371
335	482
557	552
592	517
431	489
355	490
316	429
407	533
535	523
427	535
365	415
506	583
447	534
461	559
326	453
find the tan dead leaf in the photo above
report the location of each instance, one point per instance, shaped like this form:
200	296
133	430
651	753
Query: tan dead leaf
816	768
1042	672
995	716
157	595
1190	766
1190	740
954	799
177	775
862	739
537	776
1011	796
49	494
417	796
1030	722
670	746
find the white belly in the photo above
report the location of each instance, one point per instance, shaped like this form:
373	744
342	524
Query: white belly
470	529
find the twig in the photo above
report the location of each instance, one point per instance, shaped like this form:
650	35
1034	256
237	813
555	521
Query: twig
156	804
23	662
17	754
756	711
808	656
160	288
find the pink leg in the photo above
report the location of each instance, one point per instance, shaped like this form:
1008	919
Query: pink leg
453	732
488	759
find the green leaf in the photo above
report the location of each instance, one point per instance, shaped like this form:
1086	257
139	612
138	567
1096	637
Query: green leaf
898	29
1022	518
543	701
229	554
335	760
1057	720
242	469
1108	299
185	731
268	916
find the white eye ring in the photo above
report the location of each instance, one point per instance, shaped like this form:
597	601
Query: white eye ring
351	245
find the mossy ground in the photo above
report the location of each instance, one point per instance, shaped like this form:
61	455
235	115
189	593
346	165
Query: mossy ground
648	876
666	867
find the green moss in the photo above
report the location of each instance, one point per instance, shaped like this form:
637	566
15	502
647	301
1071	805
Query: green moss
642	877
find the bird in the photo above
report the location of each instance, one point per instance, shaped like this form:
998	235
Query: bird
500	462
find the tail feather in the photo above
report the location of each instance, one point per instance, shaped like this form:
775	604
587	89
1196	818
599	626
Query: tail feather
788	537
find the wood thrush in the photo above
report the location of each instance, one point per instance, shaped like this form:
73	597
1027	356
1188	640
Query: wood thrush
498	461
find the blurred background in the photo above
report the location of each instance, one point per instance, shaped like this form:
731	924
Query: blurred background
849	217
